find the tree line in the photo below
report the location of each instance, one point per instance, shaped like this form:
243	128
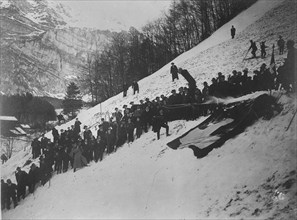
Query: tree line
132	55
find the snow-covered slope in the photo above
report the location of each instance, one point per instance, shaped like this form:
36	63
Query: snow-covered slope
250	176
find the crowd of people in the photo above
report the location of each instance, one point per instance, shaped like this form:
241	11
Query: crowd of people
75	148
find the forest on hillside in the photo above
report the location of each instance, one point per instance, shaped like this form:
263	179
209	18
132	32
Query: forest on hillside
132	55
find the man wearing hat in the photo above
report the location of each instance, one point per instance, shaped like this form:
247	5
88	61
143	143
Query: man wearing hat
174	72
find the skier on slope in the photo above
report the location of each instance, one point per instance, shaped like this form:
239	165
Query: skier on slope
253	47
263	49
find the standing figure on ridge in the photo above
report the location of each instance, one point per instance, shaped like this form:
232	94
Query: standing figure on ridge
174	72
233	30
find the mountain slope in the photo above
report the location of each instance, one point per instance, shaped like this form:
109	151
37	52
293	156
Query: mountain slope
39	53
250	176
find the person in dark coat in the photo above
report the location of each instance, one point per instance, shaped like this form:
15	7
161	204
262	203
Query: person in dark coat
43	143
66	159
22	181
138	126
11	194
130	130
36	148
34	177
146	117
281	45
104	124
135	87
254	48
45	169
79	160
55	134
110	140
174	72
101	142
118	115
58	158
4	194
263	49
122	134
125	88
233	30
160	121
3	158
97	149
77	128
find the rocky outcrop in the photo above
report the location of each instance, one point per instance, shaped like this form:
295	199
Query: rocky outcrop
39	53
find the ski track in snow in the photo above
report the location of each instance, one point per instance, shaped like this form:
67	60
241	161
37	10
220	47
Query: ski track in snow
250	176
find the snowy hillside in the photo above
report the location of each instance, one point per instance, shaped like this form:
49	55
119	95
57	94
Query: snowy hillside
36	32
250	176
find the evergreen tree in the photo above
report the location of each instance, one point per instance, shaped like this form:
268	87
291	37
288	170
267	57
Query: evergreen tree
72	101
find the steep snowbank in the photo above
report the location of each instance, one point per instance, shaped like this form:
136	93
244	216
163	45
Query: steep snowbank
250	176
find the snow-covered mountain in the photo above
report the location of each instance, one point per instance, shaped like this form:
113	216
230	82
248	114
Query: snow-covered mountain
252	176
39	52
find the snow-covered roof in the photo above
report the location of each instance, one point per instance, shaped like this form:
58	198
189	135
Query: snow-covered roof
25	126
7	118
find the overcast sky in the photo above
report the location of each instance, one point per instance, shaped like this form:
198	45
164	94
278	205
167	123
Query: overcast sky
115	14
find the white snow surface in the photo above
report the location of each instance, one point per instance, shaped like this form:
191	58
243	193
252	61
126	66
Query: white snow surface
246	178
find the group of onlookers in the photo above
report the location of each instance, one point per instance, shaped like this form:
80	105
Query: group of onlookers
76	148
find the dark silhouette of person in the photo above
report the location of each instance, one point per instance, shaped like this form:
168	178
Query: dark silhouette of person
233	30
281	45
263	49
174	72
135	87
125	88
254	48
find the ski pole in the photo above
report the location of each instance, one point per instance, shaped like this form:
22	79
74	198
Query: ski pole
291	121
246	54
